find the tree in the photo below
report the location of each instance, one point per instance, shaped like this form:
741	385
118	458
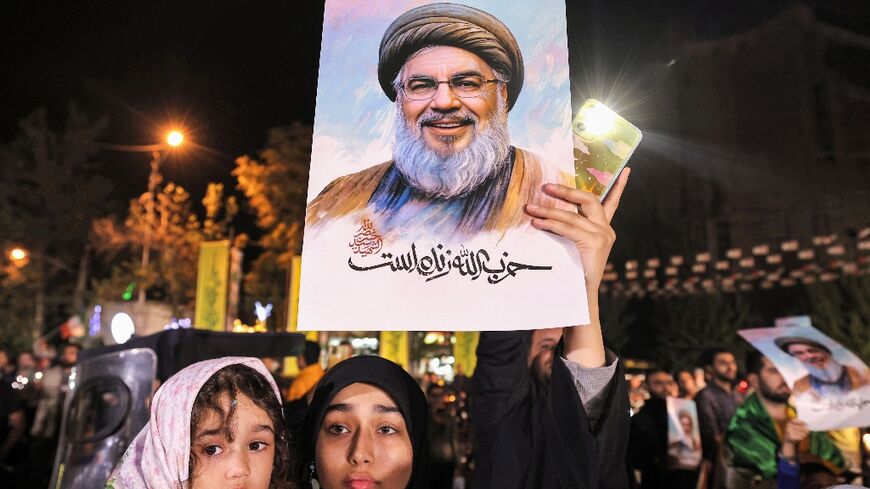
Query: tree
49	193
176	234
275	185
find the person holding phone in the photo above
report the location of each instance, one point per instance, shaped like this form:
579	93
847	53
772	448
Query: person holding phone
548	414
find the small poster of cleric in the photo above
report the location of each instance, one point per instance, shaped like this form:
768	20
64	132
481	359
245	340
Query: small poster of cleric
435	124
684	436
830	386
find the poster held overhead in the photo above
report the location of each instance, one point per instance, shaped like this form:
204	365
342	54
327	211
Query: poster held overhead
830	384
436	123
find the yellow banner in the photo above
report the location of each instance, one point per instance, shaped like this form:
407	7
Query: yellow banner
211	285
293	293
394	347
464	351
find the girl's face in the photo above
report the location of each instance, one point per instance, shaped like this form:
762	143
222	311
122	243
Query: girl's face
363	442
243	462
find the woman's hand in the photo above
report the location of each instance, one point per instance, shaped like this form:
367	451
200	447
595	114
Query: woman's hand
589	228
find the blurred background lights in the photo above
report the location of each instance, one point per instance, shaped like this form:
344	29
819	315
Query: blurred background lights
122	327
263	312
183	323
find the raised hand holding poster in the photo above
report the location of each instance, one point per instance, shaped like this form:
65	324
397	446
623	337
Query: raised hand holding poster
830	386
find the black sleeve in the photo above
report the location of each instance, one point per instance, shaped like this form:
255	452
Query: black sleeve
501	368
498	386
585	455
641	445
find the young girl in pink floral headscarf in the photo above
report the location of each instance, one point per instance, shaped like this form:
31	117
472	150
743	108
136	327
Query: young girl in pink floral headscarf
214	424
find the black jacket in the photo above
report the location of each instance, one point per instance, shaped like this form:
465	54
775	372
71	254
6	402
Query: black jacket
648	443
530	437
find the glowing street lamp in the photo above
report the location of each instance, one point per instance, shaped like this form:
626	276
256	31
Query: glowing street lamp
174	138
158	151
18	254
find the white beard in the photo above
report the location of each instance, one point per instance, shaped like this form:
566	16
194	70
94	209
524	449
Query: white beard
832	371
451	173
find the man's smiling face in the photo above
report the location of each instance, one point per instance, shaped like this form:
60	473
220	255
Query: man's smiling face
448	122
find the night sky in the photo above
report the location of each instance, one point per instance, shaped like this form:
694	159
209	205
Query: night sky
229	71
226	74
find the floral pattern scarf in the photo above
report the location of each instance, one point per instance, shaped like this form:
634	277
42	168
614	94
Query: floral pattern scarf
159	456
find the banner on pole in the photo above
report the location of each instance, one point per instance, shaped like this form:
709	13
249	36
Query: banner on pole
293	294
394	347
465	352
211	285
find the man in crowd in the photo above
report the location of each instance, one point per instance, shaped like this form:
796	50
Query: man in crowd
686	383
297	395
716	403
648	442
7	367
454	73
53	389
827	376
27	390
310	372
555	418
12	427
765	440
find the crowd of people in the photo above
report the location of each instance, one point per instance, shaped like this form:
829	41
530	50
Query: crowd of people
32	393
748	435
742	432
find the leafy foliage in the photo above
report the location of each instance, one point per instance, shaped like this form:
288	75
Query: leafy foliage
175	235
48	195
275	185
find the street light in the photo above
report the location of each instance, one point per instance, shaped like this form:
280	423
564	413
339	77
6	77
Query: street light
174	139
17	255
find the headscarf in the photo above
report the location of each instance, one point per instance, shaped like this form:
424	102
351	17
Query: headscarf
448	24
390	378
159	456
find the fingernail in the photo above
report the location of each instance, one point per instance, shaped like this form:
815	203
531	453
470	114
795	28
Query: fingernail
532	207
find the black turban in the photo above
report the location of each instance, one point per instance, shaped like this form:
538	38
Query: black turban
785	341
449	24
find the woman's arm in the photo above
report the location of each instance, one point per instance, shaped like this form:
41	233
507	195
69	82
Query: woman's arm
593	236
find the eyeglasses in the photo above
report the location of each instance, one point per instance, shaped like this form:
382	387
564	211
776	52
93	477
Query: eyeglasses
464	86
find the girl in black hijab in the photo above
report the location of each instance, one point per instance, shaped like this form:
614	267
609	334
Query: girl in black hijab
365	428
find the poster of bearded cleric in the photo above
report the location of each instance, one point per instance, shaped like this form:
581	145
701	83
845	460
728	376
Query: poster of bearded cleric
435	124
830	385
